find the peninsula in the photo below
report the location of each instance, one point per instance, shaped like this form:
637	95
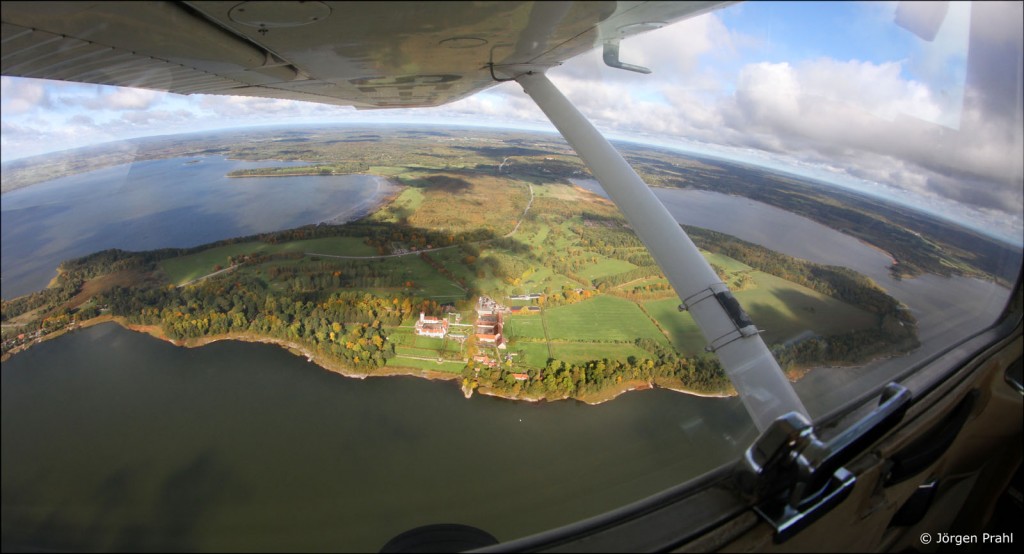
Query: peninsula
504	278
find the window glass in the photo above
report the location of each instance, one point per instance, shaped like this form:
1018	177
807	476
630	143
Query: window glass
212	304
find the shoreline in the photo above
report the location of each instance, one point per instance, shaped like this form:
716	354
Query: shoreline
387	189
230	176
699	394
332	366
892	259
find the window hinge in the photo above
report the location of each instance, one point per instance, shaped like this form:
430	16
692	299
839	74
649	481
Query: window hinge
796	478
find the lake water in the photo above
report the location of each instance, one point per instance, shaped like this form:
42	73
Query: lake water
176	202
771	227
947	309
116	441
113	440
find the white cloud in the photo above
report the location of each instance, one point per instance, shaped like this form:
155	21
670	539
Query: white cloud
101	97
131	99
157	117
673	52
865	120
82	120
255	109
23	95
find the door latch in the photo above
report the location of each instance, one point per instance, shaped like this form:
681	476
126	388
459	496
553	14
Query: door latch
796	478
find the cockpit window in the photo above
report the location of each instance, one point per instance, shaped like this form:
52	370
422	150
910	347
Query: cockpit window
238	322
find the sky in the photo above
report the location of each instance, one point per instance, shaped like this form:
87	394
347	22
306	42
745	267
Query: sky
834	91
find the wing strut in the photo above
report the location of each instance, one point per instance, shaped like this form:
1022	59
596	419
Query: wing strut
762	386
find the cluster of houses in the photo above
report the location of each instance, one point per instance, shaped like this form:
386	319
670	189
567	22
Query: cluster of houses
37	335
22	338
487	328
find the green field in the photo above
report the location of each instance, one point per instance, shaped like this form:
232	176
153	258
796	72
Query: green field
387	170
528	326
403	206
425	280
561	189
600	318
642	283
185	268
579	352
334	246
784	310
727	263
403	350
781	309
402	335
543	278
430	343
410	199
451	258
533	234
535	354
606	267
682	330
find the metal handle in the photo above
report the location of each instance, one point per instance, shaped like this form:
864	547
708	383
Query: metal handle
798	478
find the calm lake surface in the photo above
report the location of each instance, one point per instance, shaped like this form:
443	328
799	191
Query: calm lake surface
176	202
116	441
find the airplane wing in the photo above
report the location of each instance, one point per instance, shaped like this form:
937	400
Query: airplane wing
362	54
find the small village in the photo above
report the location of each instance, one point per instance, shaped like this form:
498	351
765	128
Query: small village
20	341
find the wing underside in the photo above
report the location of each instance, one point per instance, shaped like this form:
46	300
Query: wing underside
362	54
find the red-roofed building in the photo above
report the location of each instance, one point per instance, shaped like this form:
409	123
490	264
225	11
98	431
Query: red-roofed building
488	333
485	360
431	327
488	340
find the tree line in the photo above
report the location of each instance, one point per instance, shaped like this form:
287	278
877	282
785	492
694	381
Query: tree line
349	326
560	379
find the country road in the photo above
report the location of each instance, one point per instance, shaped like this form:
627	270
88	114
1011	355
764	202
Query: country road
207	276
